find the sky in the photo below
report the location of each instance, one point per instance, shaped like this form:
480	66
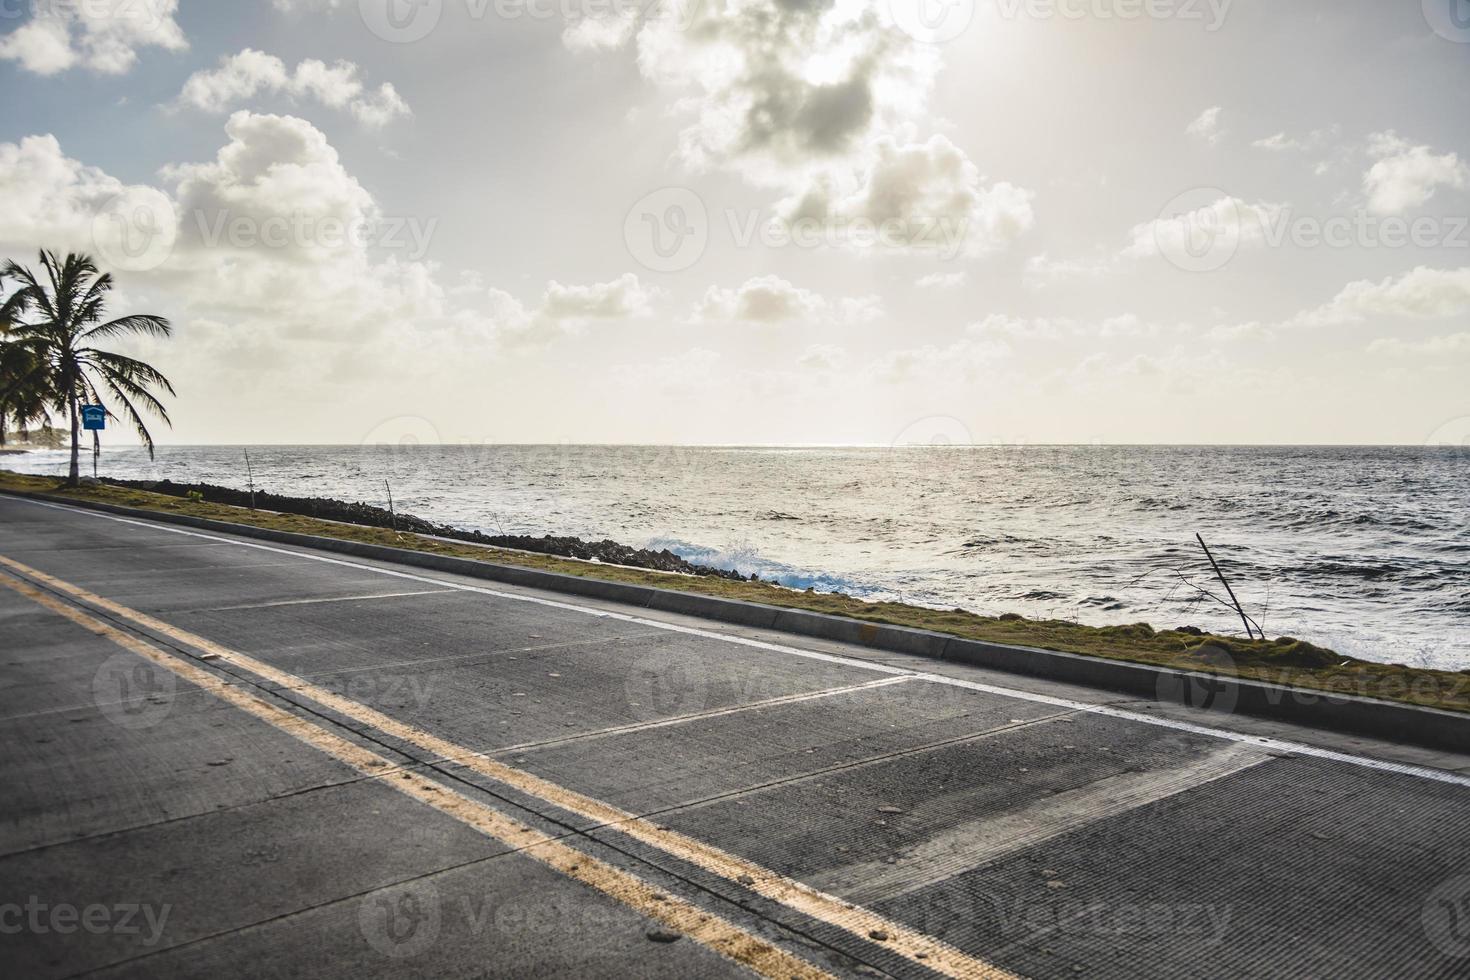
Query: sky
875	222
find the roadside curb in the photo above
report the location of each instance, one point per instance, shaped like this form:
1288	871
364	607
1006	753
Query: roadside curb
1395	721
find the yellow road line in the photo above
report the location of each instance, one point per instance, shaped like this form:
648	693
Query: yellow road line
921	948
710	930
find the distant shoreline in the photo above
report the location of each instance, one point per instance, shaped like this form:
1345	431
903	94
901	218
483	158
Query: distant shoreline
368	515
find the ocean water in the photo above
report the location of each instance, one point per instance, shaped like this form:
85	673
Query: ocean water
1366	550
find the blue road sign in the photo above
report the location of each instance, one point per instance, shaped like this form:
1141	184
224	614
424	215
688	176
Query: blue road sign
94	417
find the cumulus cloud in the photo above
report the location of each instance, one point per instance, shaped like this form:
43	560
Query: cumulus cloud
101	37
623	297
243	76
1282	143
1405	176
1224	219
942	280
275	238
1451	345
45	196
1423	293
821	100
771	299
1043	271
1206	126
922	196
999	325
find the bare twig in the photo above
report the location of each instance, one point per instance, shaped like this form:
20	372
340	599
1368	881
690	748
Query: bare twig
1244	619
250	476
393	517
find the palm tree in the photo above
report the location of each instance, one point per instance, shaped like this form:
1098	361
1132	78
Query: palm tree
65	323
22	394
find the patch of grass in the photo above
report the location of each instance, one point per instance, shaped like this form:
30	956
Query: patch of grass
1281	661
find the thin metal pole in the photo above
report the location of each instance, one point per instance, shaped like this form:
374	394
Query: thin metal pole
391	515
1226	582
250	476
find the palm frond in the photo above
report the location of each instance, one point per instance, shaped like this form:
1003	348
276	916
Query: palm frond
141	323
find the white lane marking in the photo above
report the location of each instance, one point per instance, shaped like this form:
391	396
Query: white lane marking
970	844
1274	744
307	602
704	715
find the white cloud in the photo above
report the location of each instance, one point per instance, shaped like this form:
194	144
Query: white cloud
1405	176
101	37
311	278
1282	143
942	280
1423	293
243	76
46	197
1206	126
920	196
1043	271
781	86
1225	219
999	325
821	100
621	298
960	363
1451	345
771	299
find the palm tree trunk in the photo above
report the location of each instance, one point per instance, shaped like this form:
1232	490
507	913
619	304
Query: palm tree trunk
75	479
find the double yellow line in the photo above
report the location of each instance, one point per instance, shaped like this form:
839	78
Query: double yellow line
717	933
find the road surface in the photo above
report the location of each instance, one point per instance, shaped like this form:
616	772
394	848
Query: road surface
224	757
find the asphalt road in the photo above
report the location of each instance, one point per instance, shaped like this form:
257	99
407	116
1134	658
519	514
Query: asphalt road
221	757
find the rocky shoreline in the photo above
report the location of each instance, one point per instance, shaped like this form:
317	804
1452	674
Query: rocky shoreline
368	515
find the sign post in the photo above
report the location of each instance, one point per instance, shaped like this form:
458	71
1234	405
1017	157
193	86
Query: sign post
94	420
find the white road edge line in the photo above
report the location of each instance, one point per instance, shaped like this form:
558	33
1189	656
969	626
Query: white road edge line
1279	745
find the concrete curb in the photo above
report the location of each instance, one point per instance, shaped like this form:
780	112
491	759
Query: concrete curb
1318	709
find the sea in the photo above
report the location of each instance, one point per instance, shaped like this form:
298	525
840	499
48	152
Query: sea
1365	550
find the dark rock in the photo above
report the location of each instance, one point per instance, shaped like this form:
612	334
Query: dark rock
366	515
